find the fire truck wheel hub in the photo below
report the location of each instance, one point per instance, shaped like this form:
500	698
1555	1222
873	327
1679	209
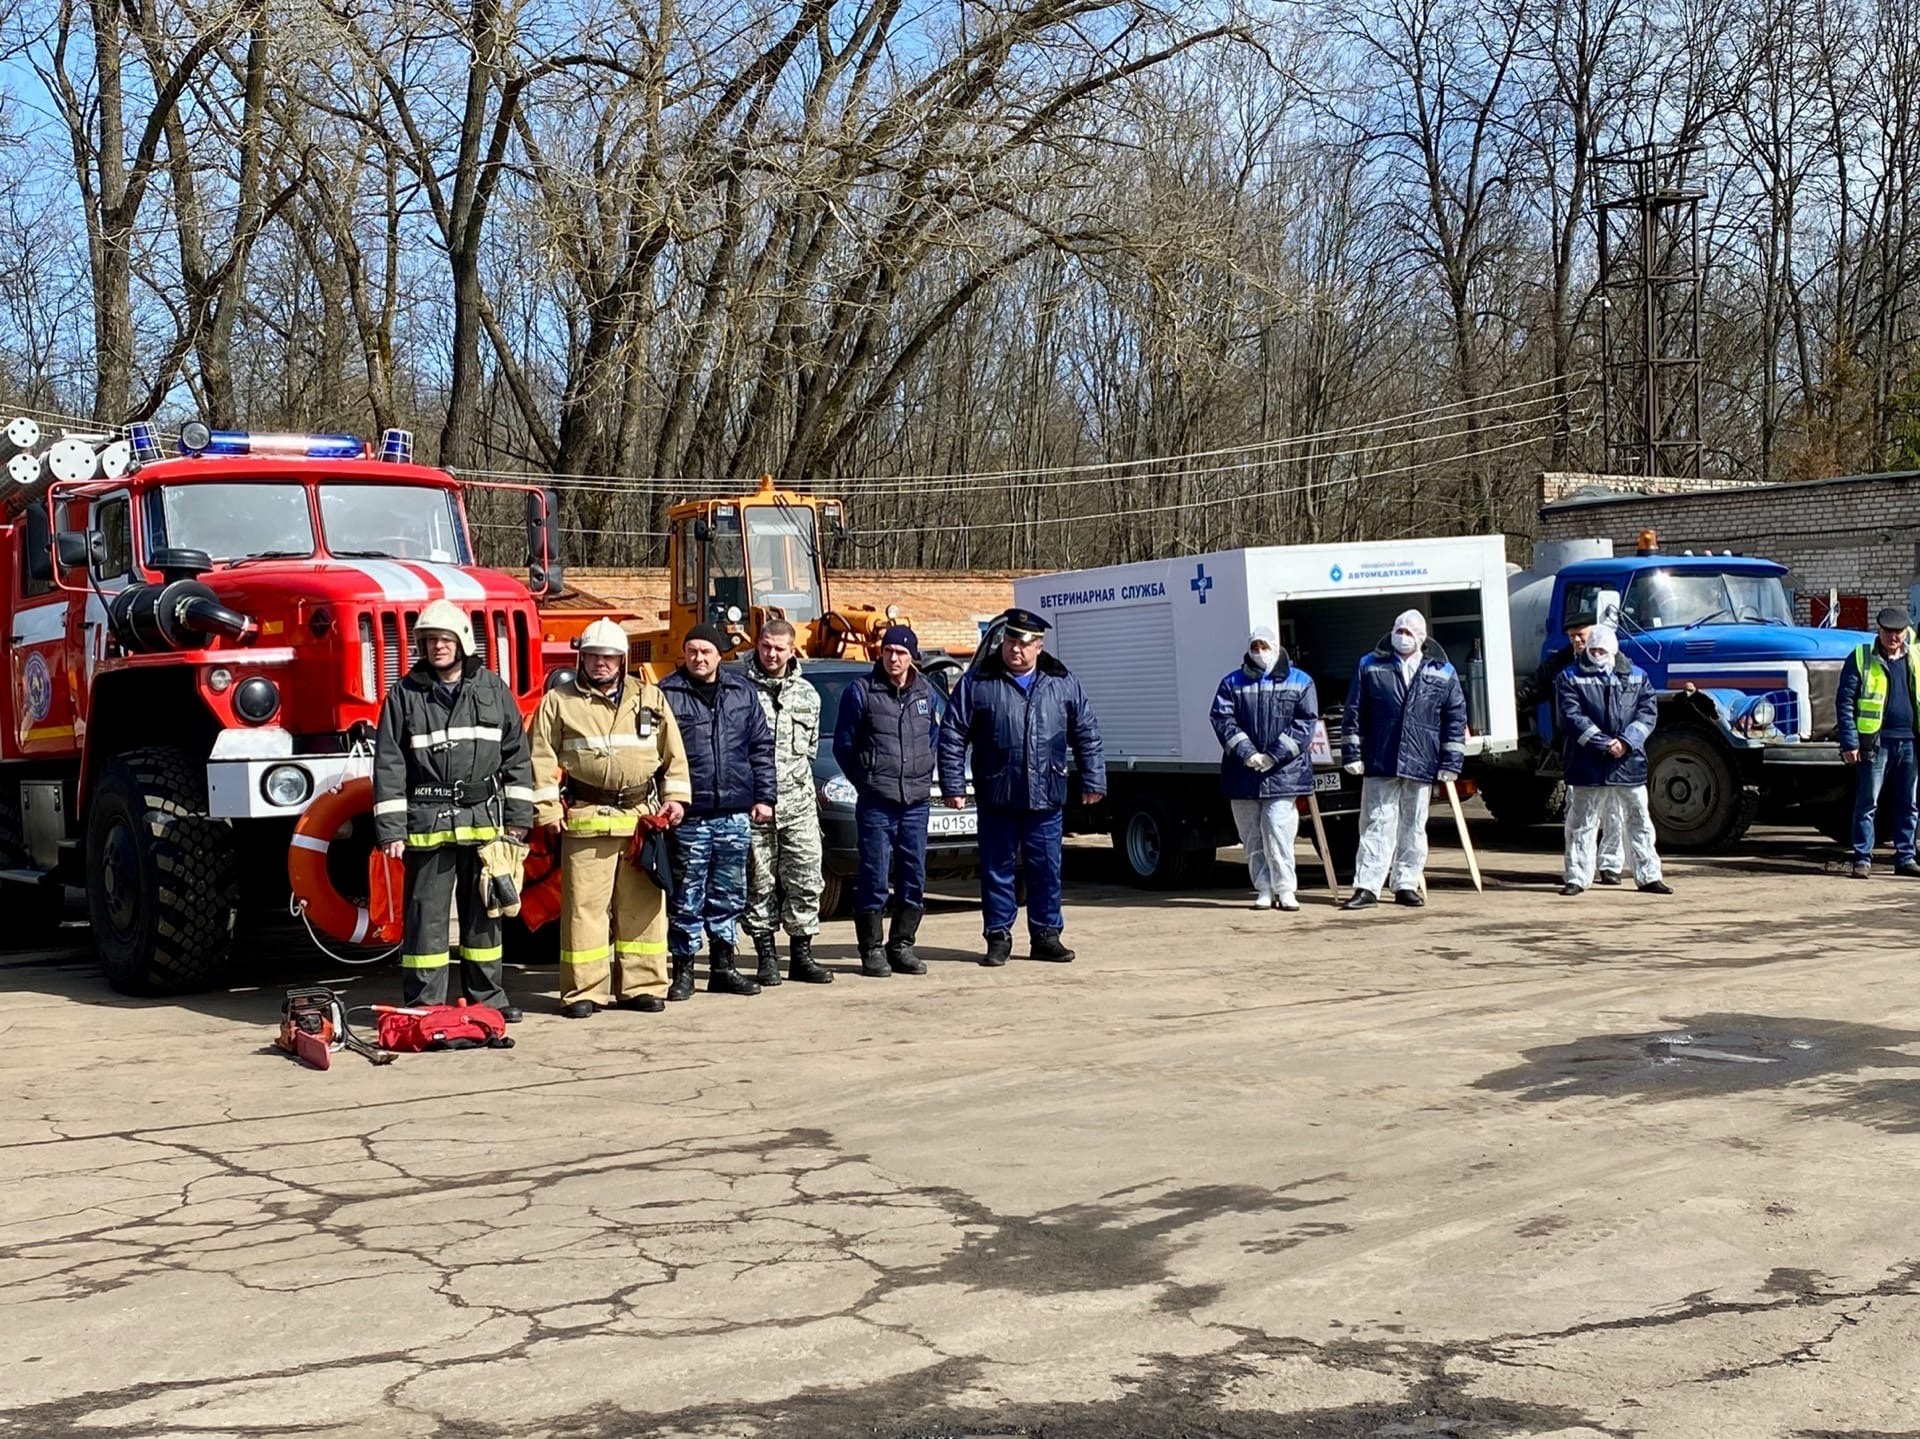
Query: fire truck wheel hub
120	877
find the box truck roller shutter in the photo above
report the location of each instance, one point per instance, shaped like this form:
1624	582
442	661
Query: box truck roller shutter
1119	655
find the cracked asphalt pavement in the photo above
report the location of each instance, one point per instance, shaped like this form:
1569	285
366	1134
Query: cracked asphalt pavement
1512	1165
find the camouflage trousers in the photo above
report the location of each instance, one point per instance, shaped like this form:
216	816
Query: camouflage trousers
709	881
783	888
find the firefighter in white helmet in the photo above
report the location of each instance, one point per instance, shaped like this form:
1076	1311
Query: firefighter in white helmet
450	775
606	752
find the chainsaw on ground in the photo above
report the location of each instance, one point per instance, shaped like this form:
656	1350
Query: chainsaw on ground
313	1026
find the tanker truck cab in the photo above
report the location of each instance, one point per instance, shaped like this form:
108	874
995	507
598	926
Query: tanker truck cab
219	636
1747	713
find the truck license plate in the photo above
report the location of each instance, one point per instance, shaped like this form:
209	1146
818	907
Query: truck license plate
953	821
1327	783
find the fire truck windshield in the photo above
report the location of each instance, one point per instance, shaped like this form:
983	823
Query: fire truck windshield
402	522
780	559
232	521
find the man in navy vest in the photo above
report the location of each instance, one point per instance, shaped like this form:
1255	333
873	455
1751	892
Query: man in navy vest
1020	711
884	744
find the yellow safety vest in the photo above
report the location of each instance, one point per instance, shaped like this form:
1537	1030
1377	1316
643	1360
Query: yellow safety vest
1871	708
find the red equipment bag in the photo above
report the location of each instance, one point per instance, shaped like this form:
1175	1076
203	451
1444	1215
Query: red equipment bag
386	896
441	1026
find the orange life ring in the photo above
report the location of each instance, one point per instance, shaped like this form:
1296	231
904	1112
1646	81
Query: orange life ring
313	888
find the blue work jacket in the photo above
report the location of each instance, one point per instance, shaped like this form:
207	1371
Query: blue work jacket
1272	713
1020	738
1401	729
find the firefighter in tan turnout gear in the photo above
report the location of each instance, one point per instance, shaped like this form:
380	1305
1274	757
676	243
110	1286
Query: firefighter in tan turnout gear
607	751
450	775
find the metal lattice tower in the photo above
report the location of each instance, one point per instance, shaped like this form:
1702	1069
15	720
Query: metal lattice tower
1650	371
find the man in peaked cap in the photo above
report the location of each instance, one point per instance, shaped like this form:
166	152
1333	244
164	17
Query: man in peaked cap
1020	711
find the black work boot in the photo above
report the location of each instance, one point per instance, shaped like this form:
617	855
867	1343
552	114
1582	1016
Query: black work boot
1045	945
803	969
999	949
867	929
768	953
722	977
682	986
900	955
1361	899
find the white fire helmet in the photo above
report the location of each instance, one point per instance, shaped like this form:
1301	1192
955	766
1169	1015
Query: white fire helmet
447	617
604	637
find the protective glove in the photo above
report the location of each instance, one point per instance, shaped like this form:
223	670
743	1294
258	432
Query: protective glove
1259	763
1357	767
1447	776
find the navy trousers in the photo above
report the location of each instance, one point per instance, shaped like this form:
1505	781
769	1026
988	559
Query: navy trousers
1032	838
893	855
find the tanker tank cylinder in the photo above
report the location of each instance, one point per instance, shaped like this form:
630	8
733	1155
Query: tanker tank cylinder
177	615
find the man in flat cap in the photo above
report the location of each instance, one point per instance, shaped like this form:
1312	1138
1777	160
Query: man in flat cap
1879	718
1020	711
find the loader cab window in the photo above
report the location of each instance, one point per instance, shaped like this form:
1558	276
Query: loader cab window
781	550
726	566
36	567
686	572
114	520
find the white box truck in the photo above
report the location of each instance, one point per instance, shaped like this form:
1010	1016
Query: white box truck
1151	641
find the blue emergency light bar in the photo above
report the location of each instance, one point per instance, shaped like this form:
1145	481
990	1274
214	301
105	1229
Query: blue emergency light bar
396	447
197	439
311	447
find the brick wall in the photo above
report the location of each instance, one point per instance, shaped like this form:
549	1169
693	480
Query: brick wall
944	608
1858	536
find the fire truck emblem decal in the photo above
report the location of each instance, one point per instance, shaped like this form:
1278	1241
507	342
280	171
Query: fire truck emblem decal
37	687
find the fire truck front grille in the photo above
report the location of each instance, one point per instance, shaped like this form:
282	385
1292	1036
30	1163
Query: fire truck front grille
500	639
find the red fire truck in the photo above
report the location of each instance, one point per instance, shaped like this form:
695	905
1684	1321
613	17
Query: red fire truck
197	649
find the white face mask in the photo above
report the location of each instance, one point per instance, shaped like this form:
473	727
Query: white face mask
1263	659
1404	644
1599	659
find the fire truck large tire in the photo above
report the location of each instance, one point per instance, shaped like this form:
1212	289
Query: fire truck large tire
164	882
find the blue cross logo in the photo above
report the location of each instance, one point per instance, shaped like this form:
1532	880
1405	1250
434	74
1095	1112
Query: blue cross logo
1336	574
1201	582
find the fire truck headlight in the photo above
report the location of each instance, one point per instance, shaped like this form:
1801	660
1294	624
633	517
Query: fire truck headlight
286	785
257	700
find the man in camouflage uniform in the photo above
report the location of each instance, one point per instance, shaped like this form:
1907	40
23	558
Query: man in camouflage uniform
784	879
606	751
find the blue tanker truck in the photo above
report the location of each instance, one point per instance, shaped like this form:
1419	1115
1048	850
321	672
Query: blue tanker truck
1746	695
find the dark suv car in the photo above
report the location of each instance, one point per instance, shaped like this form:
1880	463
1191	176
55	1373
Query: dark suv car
951	846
